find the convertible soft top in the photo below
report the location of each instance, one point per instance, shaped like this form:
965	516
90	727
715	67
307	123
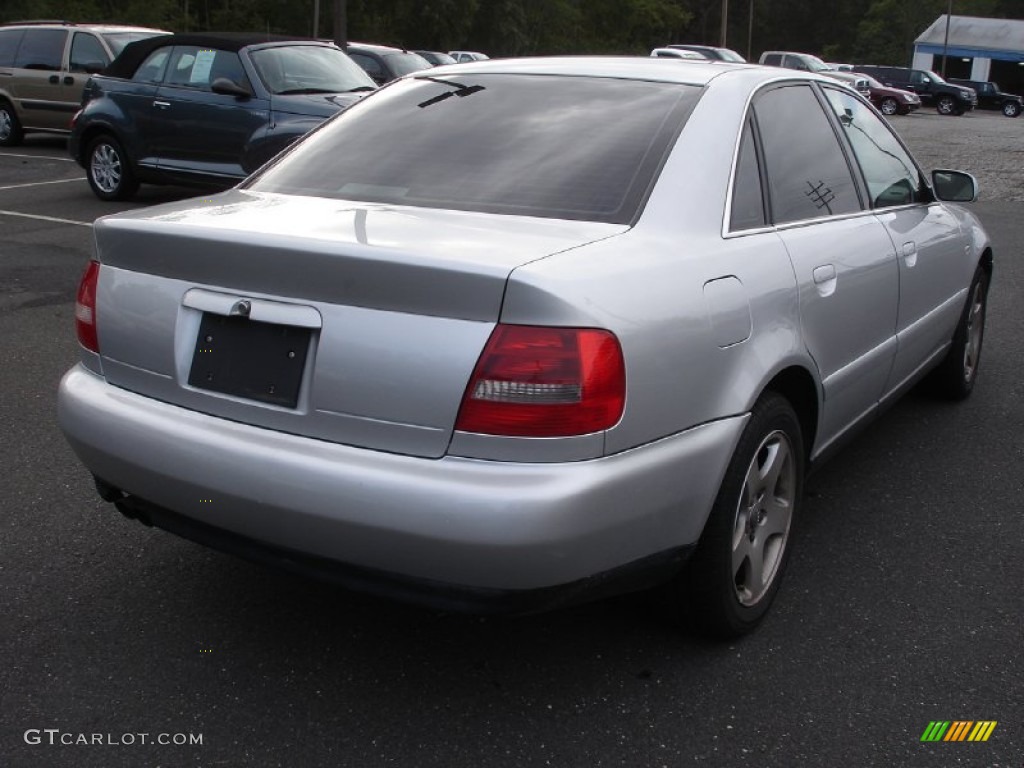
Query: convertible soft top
134	54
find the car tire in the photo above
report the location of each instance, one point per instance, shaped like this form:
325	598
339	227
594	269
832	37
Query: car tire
955	376
1011	109
108	170
946	105
889	106
10	127
729	583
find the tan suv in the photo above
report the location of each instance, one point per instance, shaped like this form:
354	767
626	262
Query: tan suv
44	67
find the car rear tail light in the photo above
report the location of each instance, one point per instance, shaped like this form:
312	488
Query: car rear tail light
85	308
545	382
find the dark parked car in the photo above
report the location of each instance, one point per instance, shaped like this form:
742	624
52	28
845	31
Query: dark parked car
206	109
44	67
990	97
710	52
948	99
891	101
436	58
383	63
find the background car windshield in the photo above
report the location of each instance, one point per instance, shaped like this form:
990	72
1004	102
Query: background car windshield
308	69
557	147
118	40
814	64
406	63
728	54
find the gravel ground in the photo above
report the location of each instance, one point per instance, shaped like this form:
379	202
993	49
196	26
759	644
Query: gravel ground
986	144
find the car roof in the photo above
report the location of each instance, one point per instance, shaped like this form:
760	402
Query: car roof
135	53
695	72
376	48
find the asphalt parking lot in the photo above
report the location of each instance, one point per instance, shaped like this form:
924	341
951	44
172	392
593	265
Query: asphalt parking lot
901	605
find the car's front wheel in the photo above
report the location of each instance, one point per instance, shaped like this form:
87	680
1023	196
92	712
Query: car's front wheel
955	376
10	127
946	105
108	170
889	106
730	582
1011	109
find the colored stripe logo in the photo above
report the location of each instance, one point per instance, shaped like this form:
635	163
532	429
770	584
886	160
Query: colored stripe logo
959	730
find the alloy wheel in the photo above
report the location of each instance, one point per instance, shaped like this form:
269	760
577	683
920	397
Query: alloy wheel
763	517
105	168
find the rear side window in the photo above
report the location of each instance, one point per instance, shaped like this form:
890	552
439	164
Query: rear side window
41	49
534	145
747	196
152	69
808	176
9	39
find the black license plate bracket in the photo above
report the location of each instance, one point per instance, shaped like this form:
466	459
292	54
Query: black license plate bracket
250	359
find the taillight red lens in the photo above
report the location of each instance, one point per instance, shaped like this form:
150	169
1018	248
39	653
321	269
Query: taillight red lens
85	308
545	382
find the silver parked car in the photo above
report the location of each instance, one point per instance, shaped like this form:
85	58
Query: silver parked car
507	334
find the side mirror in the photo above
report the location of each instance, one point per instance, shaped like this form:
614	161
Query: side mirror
227	87
955	186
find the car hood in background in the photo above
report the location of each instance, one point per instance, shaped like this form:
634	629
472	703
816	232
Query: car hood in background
315	104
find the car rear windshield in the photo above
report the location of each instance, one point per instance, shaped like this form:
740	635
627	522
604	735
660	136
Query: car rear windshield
296	69
535	145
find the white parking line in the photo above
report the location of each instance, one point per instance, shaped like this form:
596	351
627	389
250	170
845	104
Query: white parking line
38	157
39	183
46	218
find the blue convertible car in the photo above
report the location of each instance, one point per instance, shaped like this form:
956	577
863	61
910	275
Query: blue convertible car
208	109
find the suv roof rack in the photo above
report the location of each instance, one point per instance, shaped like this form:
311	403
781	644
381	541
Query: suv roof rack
29	22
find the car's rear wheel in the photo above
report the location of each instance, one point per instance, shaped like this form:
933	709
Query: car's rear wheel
955	376
946	105
108	170
889	106
10	128
1011	109
730	582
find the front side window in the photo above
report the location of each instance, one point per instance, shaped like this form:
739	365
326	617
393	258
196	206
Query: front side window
87	54
534	145
193	67
808	176
891	175
41	49
370	65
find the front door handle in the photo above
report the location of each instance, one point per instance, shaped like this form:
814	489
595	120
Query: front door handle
161	104
54	79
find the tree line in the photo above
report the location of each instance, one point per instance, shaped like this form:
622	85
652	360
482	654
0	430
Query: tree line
879	31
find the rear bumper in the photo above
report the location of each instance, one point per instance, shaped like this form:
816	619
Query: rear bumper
472	525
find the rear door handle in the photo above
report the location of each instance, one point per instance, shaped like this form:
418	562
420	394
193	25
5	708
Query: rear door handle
825	278
910	254
69	80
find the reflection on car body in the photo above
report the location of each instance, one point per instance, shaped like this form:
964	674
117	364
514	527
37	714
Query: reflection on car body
488	364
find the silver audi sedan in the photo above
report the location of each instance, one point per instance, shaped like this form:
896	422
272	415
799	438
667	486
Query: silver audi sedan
511	334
